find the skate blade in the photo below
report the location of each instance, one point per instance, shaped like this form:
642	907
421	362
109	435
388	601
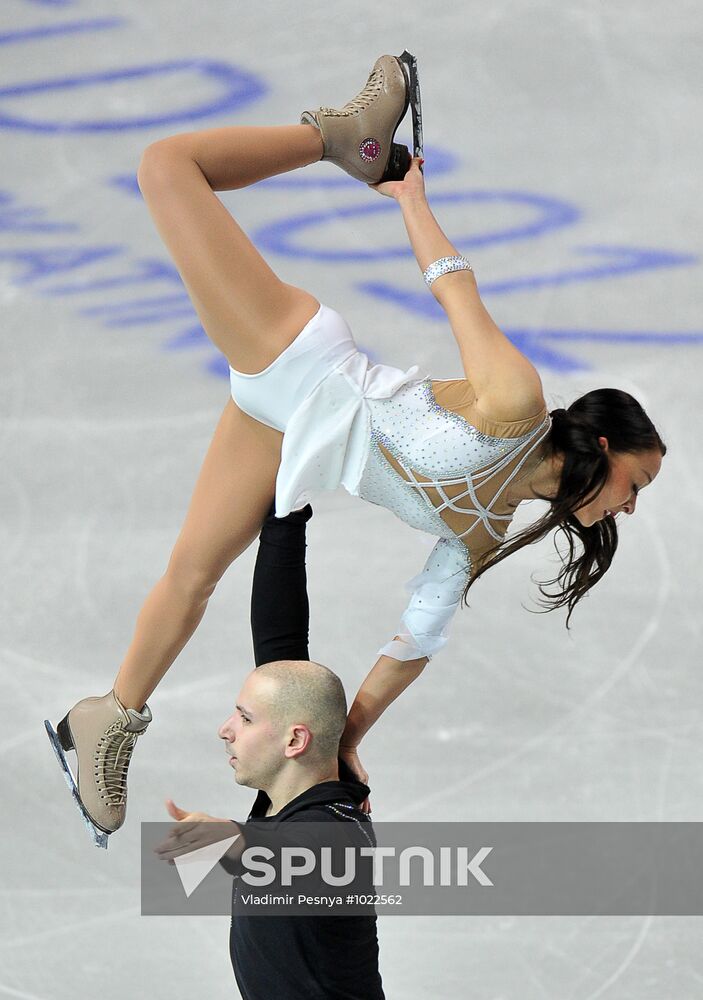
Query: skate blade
409	64
99	837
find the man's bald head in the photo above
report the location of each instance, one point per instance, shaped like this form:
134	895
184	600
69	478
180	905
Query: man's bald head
308	693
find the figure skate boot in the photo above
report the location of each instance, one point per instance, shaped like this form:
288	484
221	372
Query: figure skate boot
359	137
103	734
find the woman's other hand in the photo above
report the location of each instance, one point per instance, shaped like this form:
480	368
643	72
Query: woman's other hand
350	756
412	185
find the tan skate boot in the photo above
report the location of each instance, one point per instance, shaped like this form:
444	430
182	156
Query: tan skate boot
103	734
359	137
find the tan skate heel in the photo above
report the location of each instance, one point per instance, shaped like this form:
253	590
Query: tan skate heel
359	136
103	733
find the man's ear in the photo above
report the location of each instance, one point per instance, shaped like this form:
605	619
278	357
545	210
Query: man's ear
299	739
603	442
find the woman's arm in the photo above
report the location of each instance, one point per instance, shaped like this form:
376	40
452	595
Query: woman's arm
506	384
435	596
387	679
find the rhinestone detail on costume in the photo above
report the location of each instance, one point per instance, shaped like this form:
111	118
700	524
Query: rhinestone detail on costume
429	440
370	150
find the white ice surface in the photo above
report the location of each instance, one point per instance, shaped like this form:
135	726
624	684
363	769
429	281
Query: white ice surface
103	430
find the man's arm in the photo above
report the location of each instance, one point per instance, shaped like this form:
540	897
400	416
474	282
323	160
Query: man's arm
195	830
280	611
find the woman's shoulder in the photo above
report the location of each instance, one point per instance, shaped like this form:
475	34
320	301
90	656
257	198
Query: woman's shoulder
459	396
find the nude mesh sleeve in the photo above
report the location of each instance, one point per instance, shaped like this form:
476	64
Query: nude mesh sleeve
436	593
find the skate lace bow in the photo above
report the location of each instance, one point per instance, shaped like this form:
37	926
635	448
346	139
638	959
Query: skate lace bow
114	754
362	100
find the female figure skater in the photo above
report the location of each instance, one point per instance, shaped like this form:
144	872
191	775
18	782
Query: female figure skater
308	411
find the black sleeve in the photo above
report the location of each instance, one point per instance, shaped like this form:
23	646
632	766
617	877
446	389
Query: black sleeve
280	612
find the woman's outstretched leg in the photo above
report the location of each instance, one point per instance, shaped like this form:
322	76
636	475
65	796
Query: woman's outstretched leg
231	497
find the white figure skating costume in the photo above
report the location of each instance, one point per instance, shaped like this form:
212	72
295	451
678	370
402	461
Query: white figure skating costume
399	440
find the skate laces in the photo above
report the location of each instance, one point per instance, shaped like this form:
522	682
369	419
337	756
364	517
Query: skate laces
114	752
362	100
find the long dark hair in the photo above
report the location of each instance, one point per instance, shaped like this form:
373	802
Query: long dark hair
574	434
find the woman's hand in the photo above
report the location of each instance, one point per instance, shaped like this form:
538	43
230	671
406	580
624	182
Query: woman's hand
412	185
350	756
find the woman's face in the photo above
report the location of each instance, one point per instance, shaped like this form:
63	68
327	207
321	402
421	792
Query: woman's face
630	472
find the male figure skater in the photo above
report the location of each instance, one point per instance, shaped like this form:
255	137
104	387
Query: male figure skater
283	739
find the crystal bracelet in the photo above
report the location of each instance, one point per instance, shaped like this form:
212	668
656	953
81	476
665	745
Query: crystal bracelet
443	266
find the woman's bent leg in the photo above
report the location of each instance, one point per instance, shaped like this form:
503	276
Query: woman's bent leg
231	498
248	313
239	155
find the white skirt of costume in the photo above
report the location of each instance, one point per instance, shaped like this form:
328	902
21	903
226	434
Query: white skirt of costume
316	392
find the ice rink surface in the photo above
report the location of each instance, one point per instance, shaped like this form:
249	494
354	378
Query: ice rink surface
564	150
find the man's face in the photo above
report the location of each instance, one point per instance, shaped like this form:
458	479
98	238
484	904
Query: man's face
254	741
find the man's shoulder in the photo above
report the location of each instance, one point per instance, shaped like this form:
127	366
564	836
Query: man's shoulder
328	801
325	798
330	812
